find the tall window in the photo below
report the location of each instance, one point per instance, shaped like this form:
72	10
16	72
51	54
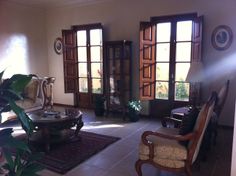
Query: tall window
90	63
168	45
83	62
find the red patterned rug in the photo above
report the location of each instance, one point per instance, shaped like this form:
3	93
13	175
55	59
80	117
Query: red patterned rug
65	156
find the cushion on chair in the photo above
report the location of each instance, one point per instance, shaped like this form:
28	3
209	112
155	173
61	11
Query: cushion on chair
166	152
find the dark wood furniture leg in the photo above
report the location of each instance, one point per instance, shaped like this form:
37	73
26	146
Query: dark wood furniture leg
79	125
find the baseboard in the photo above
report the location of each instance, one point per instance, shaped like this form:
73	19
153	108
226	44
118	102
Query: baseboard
64	105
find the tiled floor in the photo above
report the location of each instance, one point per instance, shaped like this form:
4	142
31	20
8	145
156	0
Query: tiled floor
118	159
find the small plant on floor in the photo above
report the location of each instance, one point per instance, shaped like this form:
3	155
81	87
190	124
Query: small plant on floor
20	164
134	108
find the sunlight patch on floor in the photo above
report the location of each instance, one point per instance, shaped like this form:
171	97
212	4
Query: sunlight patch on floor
102	126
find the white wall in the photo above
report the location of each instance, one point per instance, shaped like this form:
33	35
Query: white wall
121	21
22	40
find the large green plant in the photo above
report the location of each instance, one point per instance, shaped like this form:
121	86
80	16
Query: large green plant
23	161
10	91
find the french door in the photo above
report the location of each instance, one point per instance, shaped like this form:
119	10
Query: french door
87	54
168	46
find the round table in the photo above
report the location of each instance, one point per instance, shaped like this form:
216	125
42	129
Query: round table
50	126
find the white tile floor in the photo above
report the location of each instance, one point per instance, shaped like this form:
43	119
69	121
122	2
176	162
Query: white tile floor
118	159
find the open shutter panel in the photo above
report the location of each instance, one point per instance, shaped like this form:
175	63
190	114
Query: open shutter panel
147	61
197	39
70	61
197	52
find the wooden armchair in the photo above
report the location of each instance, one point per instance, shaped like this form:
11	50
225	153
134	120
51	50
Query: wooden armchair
221	98
163	148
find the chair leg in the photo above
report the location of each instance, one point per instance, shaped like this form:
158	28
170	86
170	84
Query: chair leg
163	122
138	167
188	170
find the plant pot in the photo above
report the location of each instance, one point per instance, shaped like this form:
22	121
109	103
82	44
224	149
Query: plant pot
99	111
133	115
99	108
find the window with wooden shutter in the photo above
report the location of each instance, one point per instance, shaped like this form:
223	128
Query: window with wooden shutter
83	63
168	45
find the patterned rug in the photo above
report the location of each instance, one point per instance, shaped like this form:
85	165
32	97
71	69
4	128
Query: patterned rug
65	156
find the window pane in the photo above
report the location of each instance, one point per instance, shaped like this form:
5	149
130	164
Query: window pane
82	69
181	71
97	86
184	31
163	52
96	69
163	32
82	54
182	91
83	85
162	71
183	51
162	89
96	37
96	52
81	38
112	84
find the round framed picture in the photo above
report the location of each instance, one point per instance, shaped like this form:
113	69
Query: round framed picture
222	37
58	45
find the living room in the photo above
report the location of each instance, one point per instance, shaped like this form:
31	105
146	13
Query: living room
28	32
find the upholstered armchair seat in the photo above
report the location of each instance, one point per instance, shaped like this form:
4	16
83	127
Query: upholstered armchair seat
167	149
167	152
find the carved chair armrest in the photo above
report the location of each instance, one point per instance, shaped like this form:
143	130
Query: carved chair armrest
186	137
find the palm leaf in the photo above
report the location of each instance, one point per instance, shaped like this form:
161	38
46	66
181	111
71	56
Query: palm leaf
23	117
10	162
19	82
19	145
8	93
5	134
31	169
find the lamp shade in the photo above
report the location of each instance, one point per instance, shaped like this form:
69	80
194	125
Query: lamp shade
195	73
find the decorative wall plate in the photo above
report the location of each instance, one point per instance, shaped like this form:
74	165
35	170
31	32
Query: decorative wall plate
222	37
58	45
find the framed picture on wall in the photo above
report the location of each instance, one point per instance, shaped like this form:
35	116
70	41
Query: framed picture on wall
58	45
222	37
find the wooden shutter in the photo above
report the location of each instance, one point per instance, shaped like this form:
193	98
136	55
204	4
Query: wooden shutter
70	61
197	39
196	55
147	61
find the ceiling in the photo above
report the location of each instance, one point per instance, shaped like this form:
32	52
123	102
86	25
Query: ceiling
54	3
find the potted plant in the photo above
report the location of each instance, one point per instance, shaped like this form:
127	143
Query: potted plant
134	108
99	108
23	162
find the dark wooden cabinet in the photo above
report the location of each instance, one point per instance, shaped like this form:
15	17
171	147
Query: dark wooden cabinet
119	75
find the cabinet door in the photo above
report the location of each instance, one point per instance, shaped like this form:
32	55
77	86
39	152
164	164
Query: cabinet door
118	55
